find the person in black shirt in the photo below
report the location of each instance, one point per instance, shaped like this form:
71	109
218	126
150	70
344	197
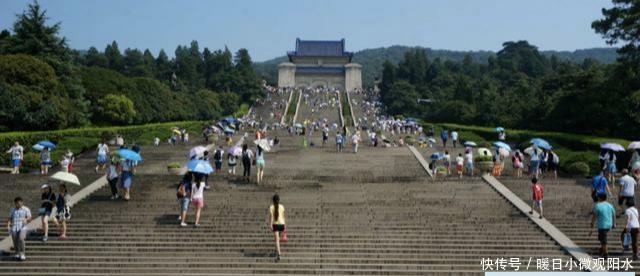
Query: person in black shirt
48	199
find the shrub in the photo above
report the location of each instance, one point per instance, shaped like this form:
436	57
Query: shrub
174	165
483	158
31	161
578	169
80	139
115	109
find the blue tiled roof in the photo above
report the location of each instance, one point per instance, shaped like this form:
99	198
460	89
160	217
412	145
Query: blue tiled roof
320	70
321	48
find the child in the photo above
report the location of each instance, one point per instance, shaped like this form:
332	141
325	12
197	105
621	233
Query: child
232	161
112	175
447	162
64	163
156	142
537	190
459	163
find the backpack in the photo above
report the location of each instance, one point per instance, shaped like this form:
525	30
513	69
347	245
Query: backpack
182	192
245	157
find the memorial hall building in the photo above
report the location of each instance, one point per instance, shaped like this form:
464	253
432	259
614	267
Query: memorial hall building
320	63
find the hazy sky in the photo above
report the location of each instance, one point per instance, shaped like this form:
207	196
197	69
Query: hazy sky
268	28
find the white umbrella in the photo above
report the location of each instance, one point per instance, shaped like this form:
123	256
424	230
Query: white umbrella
66	177
197	151
263	143
503	152
529	150
634	145
612	146
484	151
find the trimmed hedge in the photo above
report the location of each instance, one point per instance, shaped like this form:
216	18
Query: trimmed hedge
346	109
81	139
292	107
570	148
578	169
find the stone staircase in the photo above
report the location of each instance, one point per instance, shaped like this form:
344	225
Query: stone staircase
371	213
567	204
308	111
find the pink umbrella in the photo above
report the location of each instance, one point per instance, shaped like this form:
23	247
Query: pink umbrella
236	151
197	151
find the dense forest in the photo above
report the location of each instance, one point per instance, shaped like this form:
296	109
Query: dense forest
46	85
372	59
522	88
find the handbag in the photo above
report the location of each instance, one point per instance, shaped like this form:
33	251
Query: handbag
284	238
626	240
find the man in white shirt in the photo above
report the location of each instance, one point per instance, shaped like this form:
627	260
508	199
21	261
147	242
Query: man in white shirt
17	155
627	188
355	139
101	159
454	138
632	227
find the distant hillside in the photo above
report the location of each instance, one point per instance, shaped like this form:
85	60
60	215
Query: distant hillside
372	59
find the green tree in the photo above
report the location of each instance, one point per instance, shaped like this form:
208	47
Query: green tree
114	57
406	99
621	24
32	36
95	58
115	109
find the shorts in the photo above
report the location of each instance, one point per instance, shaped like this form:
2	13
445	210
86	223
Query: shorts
469	166
232	164
611	168
534	165
623	199
602	236
552	166
101	159
459	168
125	182
15	162
260	163
184	204
46	212
446	164
537	203
198	202
45	163
218	164
277	227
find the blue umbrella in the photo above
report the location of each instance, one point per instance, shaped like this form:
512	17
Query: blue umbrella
498	129
47	144
228	130
436	156
297	125
229	120
541	143
502	145
199	166
129	155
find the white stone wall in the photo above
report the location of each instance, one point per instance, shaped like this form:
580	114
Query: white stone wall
353	76
286	74
315	80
